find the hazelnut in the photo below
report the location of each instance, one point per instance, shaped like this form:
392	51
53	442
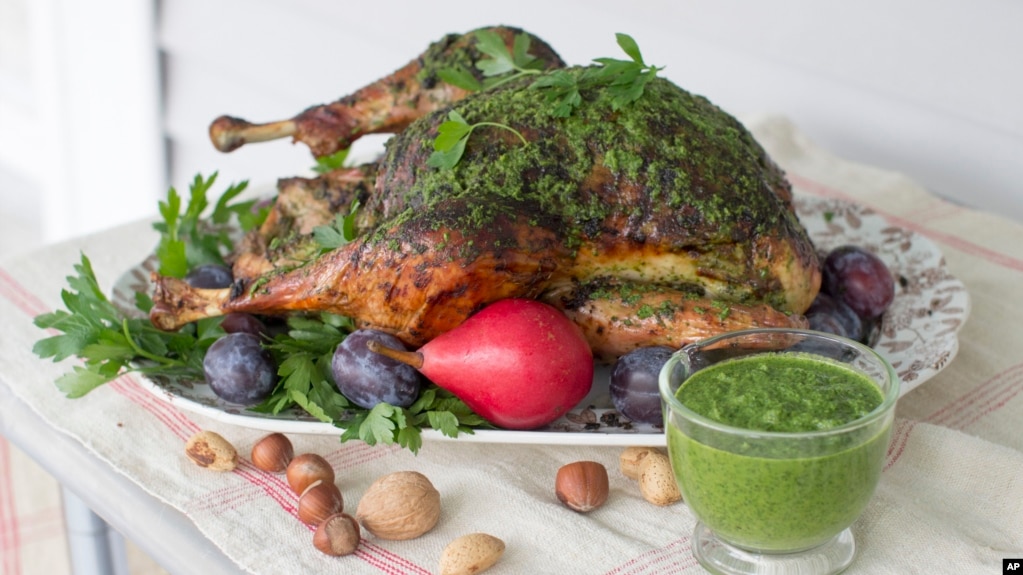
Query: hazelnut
273	453
337	535
629	460
582	486
320	501
657	480
399	505
210	450
470	554
307	469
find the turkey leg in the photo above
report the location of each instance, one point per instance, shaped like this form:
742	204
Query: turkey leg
385	106
417	279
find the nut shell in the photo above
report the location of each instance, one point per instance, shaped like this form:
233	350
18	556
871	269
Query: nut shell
657	481
400	505
209	449
582	486
320	501
470	554
630	459
337	535
273	453
307	469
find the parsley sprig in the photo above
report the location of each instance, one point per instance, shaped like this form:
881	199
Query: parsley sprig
435	408
303	355
189	238
625	80
500	66
111	343
337	233
453	135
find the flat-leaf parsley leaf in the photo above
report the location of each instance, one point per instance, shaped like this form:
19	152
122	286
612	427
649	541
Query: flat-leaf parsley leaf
452	136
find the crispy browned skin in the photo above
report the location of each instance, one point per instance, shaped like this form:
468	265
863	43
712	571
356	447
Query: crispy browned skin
386	106
614	327
417	279
662	222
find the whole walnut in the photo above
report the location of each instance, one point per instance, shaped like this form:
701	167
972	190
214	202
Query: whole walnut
399	505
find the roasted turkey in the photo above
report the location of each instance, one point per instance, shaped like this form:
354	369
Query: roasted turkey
657	223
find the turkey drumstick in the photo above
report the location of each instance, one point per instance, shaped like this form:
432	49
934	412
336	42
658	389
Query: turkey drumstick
417	278
385	106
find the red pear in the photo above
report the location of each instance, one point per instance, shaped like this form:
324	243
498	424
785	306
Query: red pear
518	363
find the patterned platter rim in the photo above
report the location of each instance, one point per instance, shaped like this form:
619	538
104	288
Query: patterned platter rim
919	337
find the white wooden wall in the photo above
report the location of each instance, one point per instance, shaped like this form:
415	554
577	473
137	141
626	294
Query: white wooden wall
930	88
80	112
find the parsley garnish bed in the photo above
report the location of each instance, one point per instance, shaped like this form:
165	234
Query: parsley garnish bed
111	342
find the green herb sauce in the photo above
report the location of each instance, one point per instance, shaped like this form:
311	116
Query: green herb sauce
780	495
780	392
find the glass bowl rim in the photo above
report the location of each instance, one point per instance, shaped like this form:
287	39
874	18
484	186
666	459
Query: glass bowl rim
887	405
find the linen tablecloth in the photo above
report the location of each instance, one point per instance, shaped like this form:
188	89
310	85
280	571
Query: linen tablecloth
950	499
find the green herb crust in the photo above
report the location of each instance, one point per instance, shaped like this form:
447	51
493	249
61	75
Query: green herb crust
695	162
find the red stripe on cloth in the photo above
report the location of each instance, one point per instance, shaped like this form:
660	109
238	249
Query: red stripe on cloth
16	293
1009	385
273	485
231	497
183	428
10	543
126	387
900	437
997	258
980	397
388	562
1002	402
355	454
42	525
674	557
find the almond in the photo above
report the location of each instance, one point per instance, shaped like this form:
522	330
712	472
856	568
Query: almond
630	459
470	554
210	450
657	480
